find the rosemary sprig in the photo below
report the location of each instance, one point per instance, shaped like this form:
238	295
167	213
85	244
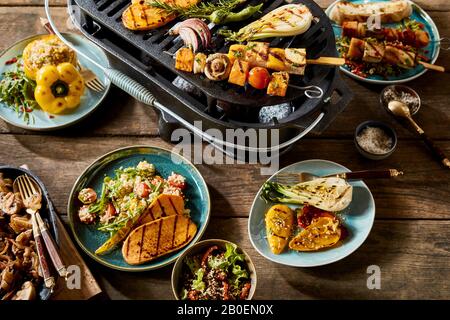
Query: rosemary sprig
201	10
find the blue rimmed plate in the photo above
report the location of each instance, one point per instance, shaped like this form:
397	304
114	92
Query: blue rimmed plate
358	218
166	162
431	51
41	121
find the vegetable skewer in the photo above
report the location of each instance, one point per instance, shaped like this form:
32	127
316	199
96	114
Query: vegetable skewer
390	53
416	38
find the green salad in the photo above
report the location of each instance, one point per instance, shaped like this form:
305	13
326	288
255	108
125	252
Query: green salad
217	274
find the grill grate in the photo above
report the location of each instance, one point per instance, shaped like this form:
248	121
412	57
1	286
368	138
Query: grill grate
160	47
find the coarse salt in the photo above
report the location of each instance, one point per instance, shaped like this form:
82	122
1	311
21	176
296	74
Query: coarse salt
374	140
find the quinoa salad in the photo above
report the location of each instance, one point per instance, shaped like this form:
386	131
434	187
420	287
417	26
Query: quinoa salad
126	196
217	274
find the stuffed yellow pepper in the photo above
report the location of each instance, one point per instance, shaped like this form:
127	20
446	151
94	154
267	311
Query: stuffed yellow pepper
58	88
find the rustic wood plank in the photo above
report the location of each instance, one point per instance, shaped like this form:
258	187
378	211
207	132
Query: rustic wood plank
32	3
136	119
422	193
435	5
414	258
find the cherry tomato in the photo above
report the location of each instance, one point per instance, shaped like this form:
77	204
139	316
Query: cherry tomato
110	211
259	78
142	190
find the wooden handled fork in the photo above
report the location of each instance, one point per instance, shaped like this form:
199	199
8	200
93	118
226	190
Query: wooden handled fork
32	198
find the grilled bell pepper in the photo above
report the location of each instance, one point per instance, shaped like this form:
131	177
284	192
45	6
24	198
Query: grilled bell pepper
58	88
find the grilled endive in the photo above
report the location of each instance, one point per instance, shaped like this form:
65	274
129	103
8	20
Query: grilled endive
285	21
329	194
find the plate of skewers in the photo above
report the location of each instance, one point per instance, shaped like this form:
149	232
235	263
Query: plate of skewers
384	42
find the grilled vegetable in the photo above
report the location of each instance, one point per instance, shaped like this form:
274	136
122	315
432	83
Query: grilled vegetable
277	59
191	31
164	205
157	238
236	51
321	233
414	37
370	51
278	84
58	88
258	54
140	15
259	78
217	67
329	194
199	63
184	60
285	21
279	223
218	13
239	72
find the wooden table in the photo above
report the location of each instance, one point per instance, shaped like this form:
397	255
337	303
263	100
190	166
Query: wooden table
410	239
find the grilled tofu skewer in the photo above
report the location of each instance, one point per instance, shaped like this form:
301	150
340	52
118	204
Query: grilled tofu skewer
292	60
414	38
377	52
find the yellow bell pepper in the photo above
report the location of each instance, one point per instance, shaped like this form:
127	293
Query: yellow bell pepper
58	88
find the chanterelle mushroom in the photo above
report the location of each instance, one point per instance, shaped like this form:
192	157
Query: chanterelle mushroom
5	184
10	203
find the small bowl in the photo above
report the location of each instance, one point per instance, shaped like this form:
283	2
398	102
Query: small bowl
200	247
387	129
400	88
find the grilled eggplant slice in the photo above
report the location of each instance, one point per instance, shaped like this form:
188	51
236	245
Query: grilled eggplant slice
157	238
279	223
323	232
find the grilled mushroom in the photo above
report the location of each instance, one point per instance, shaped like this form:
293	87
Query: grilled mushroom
5	184
20	223
10	203
218	67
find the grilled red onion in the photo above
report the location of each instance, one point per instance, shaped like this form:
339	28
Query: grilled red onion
191	31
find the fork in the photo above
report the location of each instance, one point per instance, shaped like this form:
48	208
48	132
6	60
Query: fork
91	80
294	178
32	198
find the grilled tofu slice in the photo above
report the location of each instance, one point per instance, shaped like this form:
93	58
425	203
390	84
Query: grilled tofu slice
157	238
257	54
279	223
373	51
163	206
295	60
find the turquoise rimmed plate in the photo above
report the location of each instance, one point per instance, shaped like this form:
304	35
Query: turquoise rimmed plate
166	162
431	51
358	218
41	121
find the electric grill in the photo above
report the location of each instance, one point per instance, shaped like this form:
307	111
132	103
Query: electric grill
219	106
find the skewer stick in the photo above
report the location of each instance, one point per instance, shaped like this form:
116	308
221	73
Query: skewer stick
328	61
434	67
